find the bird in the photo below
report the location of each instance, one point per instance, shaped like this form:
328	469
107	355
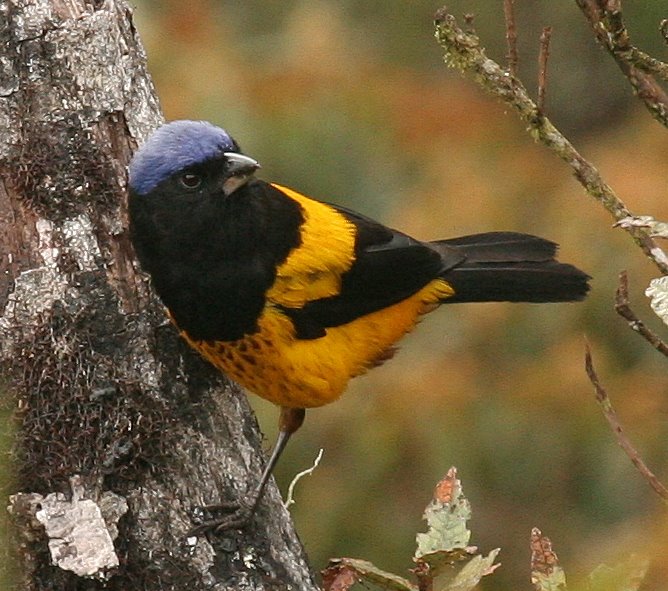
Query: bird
290	296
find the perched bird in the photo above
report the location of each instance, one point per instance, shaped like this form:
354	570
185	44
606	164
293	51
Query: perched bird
290	296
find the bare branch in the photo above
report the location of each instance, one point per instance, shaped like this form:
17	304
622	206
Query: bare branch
611	416
623	308
605	19
462	51
543	56
511	36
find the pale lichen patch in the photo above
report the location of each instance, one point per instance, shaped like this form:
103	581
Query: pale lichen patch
80	242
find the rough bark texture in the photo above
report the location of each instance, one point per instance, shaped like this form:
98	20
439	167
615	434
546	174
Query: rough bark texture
122	432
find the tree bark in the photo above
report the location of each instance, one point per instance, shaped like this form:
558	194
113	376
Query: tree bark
123	432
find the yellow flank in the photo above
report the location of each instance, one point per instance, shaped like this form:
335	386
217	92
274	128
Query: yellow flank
313	270
295	373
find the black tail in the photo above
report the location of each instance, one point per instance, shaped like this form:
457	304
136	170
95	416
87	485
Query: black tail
510	267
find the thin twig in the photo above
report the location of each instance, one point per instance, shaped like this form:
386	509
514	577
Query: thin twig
623	308
462	51
543	56
605	19
623	441
511	36
291	489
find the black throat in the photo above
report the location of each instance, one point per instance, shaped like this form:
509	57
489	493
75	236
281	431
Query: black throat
213	257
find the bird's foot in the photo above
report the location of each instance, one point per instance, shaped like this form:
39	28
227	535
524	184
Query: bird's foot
238	518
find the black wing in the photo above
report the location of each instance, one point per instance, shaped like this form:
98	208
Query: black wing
389	267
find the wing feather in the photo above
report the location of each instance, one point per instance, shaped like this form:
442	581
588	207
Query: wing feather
348	266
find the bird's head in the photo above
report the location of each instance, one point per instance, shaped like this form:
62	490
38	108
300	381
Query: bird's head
190	156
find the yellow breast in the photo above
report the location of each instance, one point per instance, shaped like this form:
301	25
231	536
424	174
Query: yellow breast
297	373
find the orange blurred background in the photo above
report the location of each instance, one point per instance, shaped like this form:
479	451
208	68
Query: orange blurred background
350	102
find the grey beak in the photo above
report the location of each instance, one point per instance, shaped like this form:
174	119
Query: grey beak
239	164
240	169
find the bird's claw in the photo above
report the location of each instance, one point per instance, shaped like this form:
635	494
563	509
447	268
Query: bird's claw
238	519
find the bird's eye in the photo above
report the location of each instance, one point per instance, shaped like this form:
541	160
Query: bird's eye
190	180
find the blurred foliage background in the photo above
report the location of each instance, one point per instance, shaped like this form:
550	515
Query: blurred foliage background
350	102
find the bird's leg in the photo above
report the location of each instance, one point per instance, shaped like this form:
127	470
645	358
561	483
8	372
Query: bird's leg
289	421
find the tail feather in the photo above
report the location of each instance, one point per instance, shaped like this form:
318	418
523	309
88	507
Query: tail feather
511	267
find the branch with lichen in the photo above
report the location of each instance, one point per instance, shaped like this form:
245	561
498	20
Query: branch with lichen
623	308
462	51
607	22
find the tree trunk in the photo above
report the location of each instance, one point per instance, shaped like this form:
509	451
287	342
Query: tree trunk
123	432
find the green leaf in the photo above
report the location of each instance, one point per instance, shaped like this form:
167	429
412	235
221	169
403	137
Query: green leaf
658	294
442	558
555	580
469	575
370	573
546	574
625	576
446	517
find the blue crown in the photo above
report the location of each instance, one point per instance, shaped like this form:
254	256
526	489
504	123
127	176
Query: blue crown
173	147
